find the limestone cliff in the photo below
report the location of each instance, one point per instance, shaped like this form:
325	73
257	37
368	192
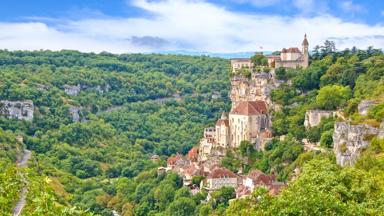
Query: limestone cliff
258	87
21	110
349	140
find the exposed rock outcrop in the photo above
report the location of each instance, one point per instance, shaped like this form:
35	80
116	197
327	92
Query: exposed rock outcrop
349	140
21	110
381	131
258	87
72	90
75	113
313	117
365	105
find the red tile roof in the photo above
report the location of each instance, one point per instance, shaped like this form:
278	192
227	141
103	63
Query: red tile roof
259	178
273	57
250	108
291	50
276	188
193	153
222	122
173	160
221	172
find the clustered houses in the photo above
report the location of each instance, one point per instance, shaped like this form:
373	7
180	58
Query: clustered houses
289	58
248	120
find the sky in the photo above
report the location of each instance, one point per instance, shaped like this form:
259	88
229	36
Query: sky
131	26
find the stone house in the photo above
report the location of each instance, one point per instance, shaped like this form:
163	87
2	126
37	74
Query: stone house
238	63
313	117
220	177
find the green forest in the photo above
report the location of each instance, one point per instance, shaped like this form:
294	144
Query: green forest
133	106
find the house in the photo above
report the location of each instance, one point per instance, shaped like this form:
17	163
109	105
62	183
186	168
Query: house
238	63
256	178
220	177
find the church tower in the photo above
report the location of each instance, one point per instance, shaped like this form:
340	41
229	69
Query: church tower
222	131
305	52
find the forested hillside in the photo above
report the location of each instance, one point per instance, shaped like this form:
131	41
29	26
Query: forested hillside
98	119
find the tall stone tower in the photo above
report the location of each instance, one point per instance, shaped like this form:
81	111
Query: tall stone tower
305	52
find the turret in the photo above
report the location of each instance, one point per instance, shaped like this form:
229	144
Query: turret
305	52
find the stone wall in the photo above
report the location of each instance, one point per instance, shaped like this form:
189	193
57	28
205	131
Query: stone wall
21	110
313	117
349	140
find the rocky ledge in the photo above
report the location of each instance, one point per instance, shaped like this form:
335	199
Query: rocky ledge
349	140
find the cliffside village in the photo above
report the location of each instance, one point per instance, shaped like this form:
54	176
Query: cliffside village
248	120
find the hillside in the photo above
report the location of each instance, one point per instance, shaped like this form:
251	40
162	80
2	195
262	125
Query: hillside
102	124
99	118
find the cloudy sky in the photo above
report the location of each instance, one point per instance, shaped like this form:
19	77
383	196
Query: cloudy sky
123	26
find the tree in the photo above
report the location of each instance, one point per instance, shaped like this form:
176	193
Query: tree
223	195
333	96
326	139
259	60
182	207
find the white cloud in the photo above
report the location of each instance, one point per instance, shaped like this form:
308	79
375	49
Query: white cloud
349	6
259	3
187	25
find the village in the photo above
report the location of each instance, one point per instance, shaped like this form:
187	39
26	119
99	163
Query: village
248	120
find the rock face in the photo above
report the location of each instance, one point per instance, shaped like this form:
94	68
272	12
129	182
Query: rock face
72	90
75	113
349	140
313	117
381	131
364	106
21	110
258	87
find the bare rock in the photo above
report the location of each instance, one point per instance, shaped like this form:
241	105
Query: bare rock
349	140
21	110
365	105
72	90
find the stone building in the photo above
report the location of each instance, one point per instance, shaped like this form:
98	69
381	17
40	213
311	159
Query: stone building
289	58
246	122
292	57
222	131
238	63
220	177
313	117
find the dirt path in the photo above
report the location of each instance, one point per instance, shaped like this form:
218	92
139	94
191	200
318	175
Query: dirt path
23	195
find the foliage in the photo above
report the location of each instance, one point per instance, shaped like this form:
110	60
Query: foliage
333	96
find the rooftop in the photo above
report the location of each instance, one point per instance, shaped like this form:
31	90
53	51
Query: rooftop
250	108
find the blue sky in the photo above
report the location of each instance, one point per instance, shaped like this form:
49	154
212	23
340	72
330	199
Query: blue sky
200	25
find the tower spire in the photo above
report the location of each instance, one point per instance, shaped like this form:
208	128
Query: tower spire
305	41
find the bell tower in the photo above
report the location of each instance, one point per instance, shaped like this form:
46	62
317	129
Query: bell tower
305	52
